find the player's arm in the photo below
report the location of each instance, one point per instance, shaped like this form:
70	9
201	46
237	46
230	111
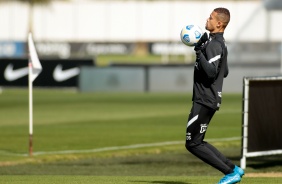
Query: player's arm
210	63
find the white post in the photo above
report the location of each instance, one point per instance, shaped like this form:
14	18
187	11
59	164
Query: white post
34	69
281	58
30	107
245	124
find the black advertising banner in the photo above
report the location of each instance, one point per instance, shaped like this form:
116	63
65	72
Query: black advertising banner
66	50
264	119
55	72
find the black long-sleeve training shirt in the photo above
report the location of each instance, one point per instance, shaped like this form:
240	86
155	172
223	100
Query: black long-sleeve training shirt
210	69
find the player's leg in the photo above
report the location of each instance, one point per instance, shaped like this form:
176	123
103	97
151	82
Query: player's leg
198	121
224	159
220	155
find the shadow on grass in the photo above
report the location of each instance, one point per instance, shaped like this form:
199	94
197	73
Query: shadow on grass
265	162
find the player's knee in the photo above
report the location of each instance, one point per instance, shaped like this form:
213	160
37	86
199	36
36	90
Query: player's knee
189	145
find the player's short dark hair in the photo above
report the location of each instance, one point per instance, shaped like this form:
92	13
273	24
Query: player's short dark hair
223	15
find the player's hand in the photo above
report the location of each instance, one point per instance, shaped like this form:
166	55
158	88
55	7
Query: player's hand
202	40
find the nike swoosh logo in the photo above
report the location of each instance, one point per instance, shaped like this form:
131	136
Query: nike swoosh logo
61	75
12	74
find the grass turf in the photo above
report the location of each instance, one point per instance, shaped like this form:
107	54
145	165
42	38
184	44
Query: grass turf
126	180
67	120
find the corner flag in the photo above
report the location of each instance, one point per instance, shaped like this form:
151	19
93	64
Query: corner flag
34	63
34	69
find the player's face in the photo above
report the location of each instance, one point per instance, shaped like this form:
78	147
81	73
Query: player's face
212	22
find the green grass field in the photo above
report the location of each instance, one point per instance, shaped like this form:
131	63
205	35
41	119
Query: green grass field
105	60
115	138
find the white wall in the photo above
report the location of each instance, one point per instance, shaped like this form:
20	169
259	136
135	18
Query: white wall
119	20
13	21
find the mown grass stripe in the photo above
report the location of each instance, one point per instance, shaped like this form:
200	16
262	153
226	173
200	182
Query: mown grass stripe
113	148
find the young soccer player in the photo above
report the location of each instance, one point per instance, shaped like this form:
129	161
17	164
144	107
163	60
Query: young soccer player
209	71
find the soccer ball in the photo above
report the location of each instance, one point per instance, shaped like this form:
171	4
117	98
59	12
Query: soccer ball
191	34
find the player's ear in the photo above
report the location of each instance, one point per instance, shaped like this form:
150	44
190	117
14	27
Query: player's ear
219	24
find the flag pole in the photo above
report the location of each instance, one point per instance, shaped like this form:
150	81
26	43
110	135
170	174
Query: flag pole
34	69
30	80
30	106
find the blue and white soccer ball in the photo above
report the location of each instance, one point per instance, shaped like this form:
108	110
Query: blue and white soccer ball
191	34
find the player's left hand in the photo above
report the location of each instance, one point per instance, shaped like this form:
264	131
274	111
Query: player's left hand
199	44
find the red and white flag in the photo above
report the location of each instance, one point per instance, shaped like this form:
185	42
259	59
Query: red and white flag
34	69
34	62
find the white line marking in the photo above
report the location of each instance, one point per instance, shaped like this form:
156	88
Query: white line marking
113	148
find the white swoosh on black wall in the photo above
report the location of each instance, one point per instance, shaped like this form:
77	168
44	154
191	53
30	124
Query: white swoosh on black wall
61	75
12	74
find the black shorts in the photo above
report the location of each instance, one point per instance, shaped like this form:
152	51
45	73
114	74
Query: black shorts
198	121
